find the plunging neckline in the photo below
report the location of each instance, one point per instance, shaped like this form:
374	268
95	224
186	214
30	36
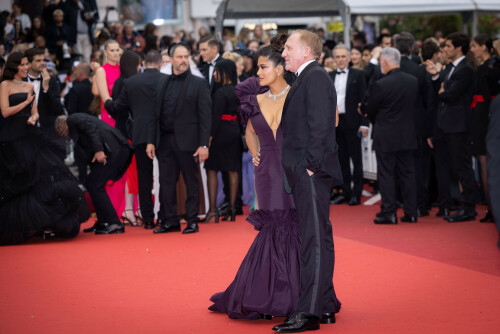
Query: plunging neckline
275	135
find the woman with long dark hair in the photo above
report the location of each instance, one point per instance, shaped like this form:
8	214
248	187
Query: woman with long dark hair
38	193
225	138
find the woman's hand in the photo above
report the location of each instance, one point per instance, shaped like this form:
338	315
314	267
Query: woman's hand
32	120
256	159
30	98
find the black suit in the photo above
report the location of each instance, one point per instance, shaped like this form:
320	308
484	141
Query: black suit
454	119
92	135
205	70
493	147
391	108
137	100
347	132
175	147
308	124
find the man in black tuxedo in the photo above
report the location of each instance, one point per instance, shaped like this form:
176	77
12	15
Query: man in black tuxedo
454	116
108	153
404	43
179	132
311	169
47	90
351	88
209	51
493	145
391	108
137	100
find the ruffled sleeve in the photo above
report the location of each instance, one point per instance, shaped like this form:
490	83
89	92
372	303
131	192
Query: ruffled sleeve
247	92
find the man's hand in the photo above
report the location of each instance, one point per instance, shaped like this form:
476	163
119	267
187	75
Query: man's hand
431	67
150	151
364	132
45	79
441	90
430	143
201	153
100	157
376	52
337	117
309	172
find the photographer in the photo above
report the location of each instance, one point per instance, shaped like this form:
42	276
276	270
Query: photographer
59	40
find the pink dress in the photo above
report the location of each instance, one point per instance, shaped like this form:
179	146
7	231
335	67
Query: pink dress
114	189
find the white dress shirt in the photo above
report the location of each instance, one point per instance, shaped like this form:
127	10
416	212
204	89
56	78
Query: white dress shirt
36	84
341	88
301	68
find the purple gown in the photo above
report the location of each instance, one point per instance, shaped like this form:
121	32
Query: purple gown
268	280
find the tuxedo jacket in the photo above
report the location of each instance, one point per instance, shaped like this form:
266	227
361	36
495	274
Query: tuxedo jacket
92	135
454	112
49	104
391	109
355	92
79	97
193	114
205	70
137	98
308	124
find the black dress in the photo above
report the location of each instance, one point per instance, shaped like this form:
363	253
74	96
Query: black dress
488	86
226	148
37	191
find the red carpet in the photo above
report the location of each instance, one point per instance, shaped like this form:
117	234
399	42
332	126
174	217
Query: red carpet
430	277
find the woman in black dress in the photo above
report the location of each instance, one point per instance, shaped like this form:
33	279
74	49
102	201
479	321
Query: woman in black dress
225	141
38	193
488	86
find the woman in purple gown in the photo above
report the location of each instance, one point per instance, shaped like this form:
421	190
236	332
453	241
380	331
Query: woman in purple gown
268	280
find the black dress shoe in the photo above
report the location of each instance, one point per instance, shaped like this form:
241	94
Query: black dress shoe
300	322
379	214
327	318
443	212
167	228
338	199
461	216
488	218
387	219
149	225
408	219
107	228
94	227
353	201
191	228
266	316
422	213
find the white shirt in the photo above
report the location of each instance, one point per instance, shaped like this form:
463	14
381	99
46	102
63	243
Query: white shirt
211	69
341	88
36	84
301	68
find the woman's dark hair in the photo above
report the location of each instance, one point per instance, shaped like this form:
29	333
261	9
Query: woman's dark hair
151	43
227	72
149	30
485	39
274	50
129	61
13	62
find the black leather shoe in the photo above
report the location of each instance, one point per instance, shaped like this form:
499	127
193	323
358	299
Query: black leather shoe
422	213
338	199
408	219
379	214
461	216
488	218
353	201
107	228
149	225
94	227
167	228
327	318
443	212
300	322
387	219
266	316
191	228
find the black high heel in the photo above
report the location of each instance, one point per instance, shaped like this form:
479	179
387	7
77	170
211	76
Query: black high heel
126	219
138	216
230	215
211	214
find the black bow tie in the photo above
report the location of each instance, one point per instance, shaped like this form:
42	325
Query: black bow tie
34	79
340	72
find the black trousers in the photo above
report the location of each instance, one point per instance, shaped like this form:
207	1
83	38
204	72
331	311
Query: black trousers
422	167
96	182
443	173
350	149
461	162
398	165
311	195
171	161
145	178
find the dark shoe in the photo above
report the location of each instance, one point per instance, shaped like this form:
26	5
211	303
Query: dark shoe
338	199
266	316
130	218
96	225
443	212
48	235
230	215
211	214
327	318
107	228
461	216
379	214
488	218
408	219
422	213
388	219
300	322
149	225
353	201
167	228
191	228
